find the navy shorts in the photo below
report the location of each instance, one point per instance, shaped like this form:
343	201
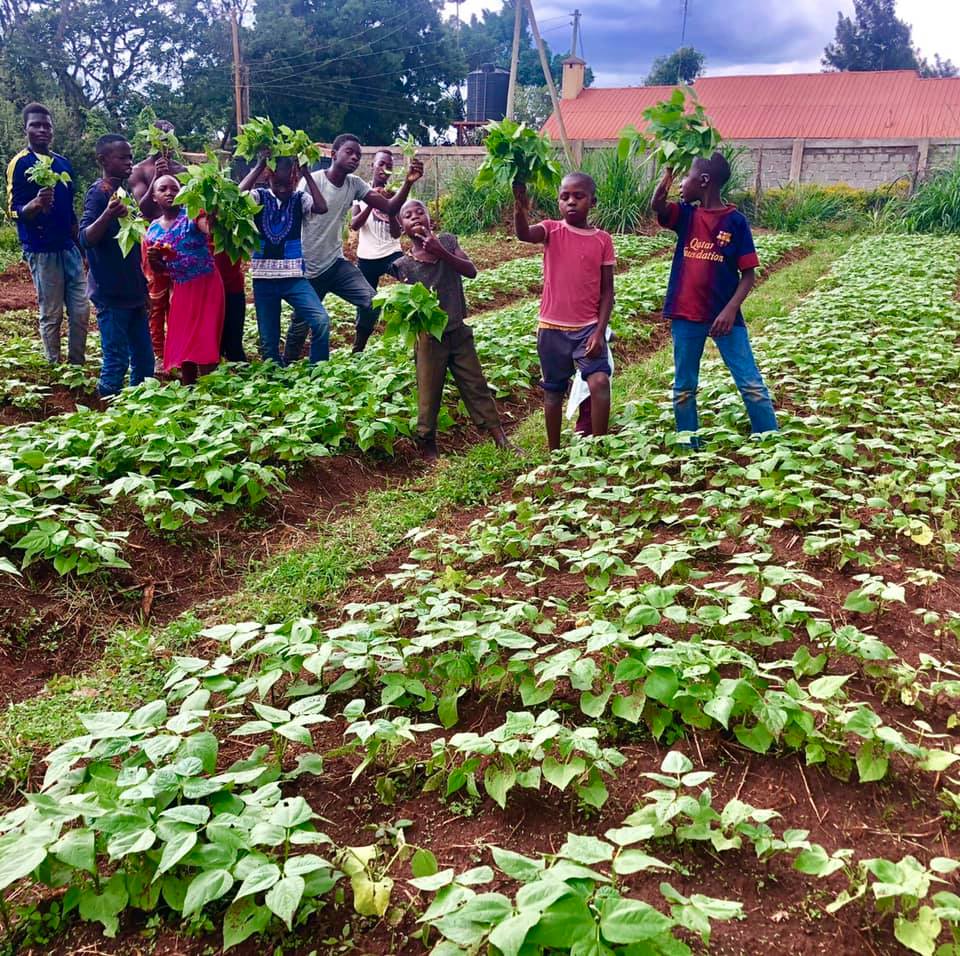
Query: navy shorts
562	352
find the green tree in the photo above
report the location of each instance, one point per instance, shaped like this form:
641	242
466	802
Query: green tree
683	66
373	67
489	39
939	68
532	105
875	38
97	53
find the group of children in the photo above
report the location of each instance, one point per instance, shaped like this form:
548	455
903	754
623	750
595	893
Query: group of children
174	304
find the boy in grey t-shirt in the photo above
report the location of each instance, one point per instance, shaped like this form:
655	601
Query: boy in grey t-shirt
323	259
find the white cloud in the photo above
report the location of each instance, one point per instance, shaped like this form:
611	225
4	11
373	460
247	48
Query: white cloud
621	37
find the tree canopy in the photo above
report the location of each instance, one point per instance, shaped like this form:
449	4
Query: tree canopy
374	67
682	66
875	38
489	39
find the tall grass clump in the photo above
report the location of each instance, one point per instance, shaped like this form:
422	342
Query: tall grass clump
935	206
465	209
624	190
810	208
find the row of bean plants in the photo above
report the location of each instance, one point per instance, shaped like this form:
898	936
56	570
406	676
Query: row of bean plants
678	628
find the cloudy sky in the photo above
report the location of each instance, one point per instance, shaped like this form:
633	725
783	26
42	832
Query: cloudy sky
622	37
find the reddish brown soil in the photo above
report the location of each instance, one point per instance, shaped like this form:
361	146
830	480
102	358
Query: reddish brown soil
16	289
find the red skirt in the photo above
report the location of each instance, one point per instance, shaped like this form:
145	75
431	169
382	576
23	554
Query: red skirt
195	322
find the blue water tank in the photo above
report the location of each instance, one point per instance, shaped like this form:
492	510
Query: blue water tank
487	93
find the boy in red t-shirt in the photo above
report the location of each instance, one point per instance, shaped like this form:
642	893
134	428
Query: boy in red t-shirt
713	272
578	263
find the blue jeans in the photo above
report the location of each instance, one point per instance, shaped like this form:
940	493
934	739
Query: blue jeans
689	339
125	341
59	280
345	280
267	296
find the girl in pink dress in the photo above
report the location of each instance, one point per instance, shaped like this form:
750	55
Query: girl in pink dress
180	247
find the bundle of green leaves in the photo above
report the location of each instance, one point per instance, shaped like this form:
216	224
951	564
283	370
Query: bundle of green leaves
675	136
259	134
158	142
409	310
206	188
41	173
133	227
516	153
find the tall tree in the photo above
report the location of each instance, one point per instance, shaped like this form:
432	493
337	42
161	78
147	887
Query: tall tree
683	66
97	52
939	68
374	67
877	39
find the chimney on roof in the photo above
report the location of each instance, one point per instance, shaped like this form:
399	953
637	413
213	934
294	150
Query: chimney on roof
573	73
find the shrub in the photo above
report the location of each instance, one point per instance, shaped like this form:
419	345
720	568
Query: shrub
935	206
794	208
624	189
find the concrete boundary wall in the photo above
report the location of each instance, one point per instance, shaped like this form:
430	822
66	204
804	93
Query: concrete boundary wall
769	163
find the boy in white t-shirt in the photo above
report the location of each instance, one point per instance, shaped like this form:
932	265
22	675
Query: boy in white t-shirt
324	264
378	234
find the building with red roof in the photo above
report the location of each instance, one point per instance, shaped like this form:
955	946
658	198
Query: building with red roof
863	129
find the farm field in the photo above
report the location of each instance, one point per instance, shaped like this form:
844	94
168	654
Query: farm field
629	700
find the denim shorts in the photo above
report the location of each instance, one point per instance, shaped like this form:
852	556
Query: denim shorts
562	352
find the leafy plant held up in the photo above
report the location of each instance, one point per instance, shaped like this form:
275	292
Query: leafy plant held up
233	227
42	174
133	227
259	133
674	137
409	310
516	153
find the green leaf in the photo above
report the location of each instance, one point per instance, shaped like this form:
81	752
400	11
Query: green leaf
586	849
18	860
824	688
632	921
284	897
259	879
106	907
497	781
509	935
371	897
243	919
423	863
206	887
919	935
175	849
76	849
516	866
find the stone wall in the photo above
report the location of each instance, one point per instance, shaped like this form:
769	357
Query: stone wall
857	163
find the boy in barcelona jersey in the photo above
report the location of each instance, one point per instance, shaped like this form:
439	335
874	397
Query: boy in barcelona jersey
713	272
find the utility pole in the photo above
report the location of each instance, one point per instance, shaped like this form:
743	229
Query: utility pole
683	23
576	33
514	57
237	68
548	76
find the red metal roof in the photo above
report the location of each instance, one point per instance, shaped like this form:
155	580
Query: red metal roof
898	104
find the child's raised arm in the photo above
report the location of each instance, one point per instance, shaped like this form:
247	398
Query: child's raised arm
521	224
250	180
659	201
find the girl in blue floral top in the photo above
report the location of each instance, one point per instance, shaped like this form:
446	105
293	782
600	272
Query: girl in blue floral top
180	246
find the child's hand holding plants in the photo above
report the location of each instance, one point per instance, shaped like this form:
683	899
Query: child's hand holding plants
116	207
414	170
